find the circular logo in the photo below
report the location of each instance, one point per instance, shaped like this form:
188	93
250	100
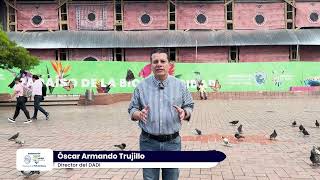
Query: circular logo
260	78
27	159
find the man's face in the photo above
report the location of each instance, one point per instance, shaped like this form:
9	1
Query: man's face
33	79
160	65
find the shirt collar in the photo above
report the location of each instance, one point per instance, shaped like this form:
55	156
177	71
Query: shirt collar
157	82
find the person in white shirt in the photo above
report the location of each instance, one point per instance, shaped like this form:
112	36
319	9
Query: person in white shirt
21	102
37	94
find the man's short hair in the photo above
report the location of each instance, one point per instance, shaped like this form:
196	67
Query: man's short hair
35	76
159	50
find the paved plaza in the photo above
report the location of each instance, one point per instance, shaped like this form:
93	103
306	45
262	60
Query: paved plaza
100	127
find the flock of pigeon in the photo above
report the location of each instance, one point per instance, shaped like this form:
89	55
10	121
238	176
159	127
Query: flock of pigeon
315	152
314	157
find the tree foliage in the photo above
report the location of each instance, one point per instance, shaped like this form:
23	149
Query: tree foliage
12	55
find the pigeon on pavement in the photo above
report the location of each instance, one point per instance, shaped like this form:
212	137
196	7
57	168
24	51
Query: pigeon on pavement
234	122
238	136
273	135
225	141
14	137
240	129
198	131
121	146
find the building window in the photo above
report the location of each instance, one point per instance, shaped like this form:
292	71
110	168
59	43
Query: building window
63	21
118	14
119	28
172	16
64	14
90	59
290	16
229	26
145	19
201	19
233	54
63	55
36	20
91	16
119	54
259	19
293	53
289	25
314	17
64	26
172	54
172	27
229	12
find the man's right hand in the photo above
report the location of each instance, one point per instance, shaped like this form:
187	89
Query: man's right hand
141	115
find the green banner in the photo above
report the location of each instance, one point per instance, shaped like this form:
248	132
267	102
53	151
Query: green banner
74	77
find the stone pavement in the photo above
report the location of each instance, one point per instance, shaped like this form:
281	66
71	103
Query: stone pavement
100	127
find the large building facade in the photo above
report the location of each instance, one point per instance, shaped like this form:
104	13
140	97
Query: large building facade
193	31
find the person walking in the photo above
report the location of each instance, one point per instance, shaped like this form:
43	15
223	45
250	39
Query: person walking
18	93
37	96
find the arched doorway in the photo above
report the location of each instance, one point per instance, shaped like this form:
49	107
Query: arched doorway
90	59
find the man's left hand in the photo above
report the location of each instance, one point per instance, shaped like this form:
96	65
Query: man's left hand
181	112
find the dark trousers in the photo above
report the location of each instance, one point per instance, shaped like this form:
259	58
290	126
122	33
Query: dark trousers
21	104
148	144
37	100
203	95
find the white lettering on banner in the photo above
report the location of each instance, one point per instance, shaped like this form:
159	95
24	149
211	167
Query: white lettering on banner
102	83
50	82
74	82
112	82
63	82
93	82
135	82
85	83
190	83
211	82
123	83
